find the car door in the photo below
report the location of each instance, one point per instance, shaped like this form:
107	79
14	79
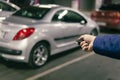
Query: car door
71	22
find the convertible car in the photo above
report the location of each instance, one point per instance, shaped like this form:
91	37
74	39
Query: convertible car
34	33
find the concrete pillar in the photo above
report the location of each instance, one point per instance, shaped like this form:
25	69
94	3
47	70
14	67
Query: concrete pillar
87	5
98	4
75	4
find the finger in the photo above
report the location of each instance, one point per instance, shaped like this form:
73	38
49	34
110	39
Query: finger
82	37
90	48
83	42
84	45
85	48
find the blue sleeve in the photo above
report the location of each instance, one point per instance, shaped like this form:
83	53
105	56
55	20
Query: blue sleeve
107	45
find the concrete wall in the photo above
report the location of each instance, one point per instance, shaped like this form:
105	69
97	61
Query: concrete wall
64	2
60	2
46	1
116	1
87	5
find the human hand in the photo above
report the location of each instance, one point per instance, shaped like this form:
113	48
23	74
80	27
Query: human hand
87	42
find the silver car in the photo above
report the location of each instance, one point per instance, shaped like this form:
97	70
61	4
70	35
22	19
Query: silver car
35	33
7	9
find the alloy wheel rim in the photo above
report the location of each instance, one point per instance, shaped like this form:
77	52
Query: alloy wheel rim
40	55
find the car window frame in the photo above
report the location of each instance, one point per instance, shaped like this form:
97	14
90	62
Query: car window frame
57	14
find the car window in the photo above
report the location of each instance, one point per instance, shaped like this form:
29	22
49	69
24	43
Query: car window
32	12
68	16
5	7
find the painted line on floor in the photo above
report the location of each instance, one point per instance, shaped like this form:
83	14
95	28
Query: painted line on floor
59	67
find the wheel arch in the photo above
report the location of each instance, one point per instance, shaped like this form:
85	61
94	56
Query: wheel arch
45	42
95	31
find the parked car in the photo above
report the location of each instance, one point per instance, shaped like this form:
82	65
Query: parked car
35	33
6	9
108	16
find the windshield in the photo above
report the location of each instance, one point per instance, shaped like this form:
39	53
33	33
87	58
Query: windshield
32	12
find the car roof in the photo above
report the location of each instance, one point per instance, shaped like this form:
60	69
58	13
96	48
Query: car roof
46	5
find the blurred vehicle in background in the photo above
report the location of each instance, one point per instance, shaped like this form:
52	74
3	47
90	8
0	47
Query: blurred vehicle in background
34	33
7	9
108	16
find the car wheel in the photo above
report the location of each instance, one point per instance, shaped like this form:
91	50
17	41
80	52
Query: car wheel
39	55
94	32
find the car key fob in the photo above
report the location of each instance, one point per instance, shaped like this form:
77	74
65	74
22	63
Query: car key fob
79	41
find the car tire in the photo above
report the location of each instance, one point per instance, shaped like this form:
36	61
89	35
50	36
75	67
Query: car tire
94	32
39	55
